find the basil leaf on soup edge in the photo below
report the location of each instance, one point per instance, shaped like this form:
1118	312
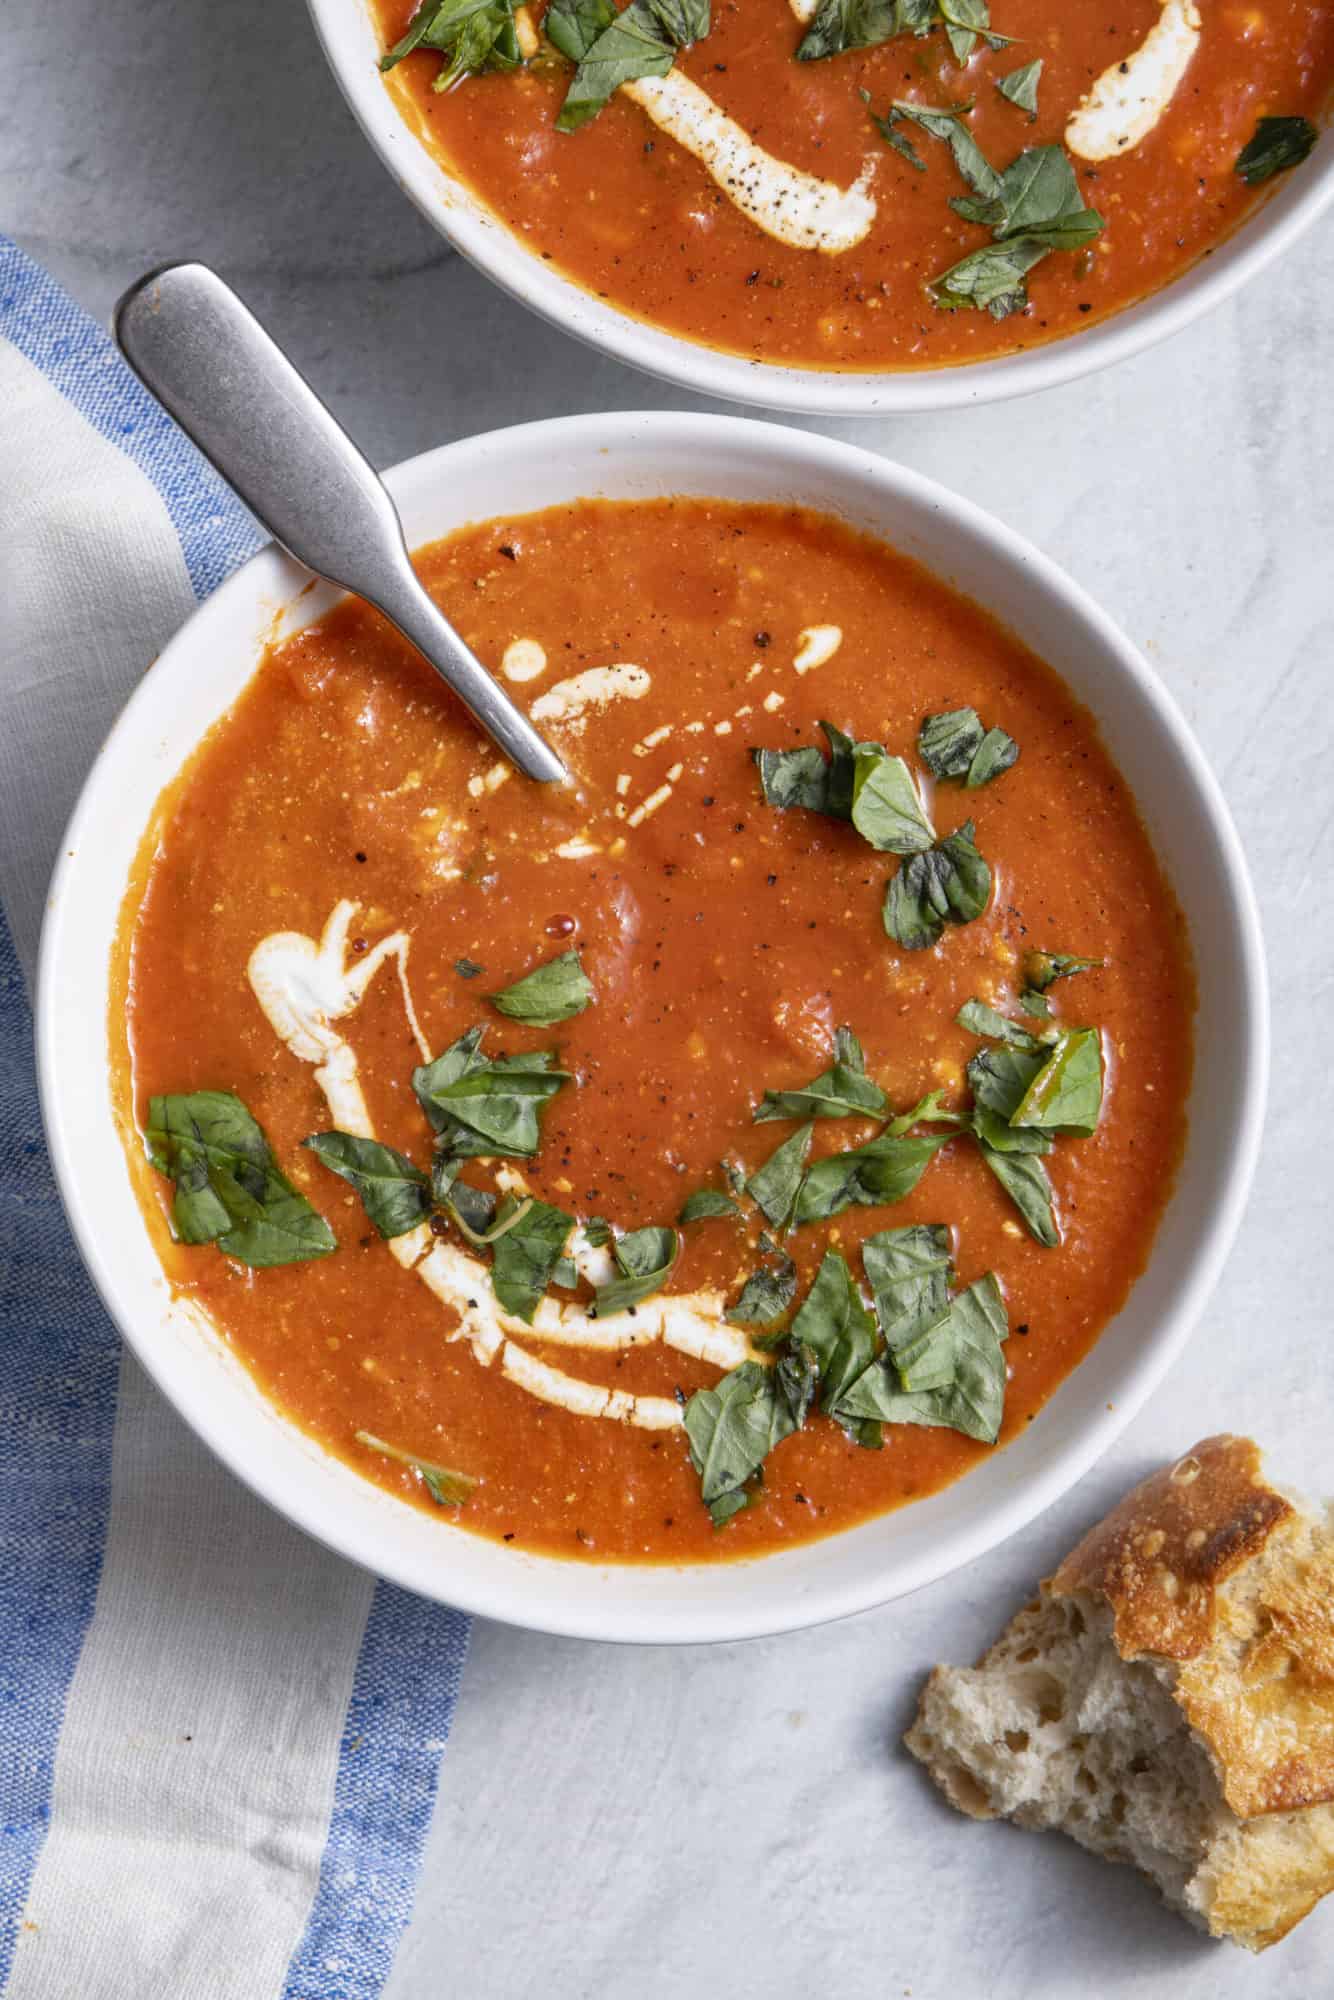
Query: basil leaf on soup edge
1025	1180
990	279
951	1377
480	1105
526	1254
909	1272
774	1187
395	1195
731	1429
1066	1093
1277	144
766	1295
886	809
875	1175
706	1202
644	1259
950	883
229	1189
573	26
553	992
835	1325
642	41
446	1488
1021	86
842	1091
1043	968
473	35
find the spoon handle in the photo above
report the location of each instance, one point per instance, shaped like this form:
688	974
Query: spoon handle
210	363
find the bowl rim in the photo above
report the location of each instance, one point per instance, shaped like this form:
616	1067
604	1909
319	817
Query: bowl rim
791	453
344	32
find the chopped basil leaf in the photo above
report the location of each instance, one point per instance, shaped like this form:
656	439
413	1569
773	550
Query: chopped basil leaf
964	21
481	1105
468	968
765	1296
875	1175
909	1271
1043	968
1021	86
995	754
641	41
395	1194
809	779
229	1190
979	1019
947	743
952	1376
473	35
446	1488
1279	143
573	26
926	1112
1038	191
732	1428
1066	1093
886	809
990	279
843	1091
1002	1137
553	992
1024	1179
946	123
529	1240
473	1209
949	883
706	1202
836	1326
840	25
645	1258
1036	1004
999	1077
774	1187
1038	209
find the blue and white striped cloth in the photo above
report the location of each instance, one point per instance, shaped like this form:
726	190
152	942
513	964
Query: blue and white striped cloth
218	1743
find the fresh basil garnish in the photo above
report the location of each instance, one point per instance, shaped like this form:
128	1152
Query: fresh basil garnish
841	25
446	1488
1021	86
731	1428
774	1187
809	779
980	1019
952	1375
229	1189
1277	144
886	809
706	1202
644	1259
1037	209
1025	1180
573	26
553	992
909	1272
948	124
875	1175
528	1243
480	1105
395	1195
641	41
1043	968
472	36
842	1091
766	1295
835	1325
949	883
468	968
1066	1093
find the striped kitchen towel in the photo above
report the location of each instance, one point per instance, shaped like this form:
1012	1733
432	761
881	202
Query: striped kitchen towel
218	1742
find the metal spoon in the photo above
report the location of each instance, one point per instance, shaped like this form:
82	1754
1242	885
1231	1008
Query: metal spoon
210	363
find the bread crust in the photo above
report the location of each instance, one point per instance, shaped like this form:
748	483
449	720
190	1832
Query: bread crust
1158	1558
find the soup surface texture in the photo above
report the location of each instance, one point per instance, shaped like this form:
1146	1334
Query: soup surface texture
749	200
719	940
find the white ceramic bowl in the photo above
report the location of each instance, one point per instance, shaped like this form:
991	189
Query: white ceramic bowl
349	41
199	676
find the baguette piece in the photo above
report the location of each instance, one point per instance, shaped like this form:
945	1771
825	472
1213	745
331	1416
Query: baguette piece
1168	1698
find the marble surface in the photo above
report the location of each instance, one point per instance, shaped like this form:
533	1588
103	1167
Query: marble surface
740	1820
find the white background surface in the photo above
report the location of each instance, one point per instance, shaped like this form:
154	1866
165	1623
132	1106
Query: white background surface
739	1821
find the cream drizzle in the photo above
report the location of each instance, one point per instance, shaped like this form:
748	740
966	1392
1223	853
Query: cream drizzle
1131	95
303	986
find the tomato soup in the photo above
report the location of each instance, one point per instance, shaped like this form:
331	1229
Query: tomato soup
751	201
719	1149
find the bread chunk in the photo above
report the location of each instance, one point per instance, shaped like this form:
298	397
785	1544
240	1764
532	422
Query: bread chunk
1168	1698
